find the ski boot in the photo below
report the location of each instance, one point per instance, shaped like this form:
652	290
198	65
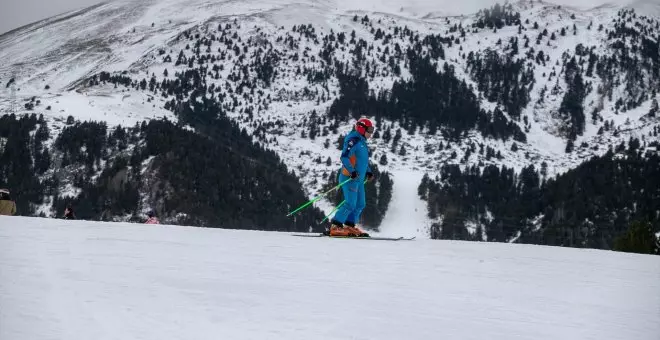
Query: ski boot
354	231
334	229
338	229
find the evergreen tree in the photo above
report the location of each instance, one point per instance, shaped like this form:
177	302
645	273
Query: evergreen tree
654	108
572	104
383	160
589	206
638	239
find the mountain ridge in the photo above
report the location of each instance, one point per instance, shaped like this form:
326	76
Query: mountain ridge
278	78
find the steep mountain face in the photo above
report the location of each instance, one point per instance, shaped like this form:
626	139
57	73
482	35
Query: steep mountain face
528	83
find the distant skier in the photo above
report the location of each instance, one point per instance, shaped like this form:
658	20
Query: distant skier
7	206
152	218
355	161
69	214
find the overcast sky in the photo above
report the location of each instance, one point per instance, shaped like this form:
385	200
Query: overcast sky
16	13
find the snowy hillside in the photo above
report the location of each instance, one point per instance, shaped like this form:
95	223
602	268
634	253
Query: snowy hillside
76	279
134	36
581	78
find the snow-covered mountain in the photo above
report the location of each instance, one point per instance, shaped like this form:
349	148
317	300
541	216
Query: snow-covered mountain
275	68
83	279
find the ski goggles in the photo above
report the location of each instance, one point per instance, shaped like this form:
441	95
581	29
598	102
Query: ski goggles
369	129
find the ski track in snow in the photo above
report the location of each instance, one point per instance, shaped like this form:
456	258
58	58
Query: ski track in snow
92	280
407	212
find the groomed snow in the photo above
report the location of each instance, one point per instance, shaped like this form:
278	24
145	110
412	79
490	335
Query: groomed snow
407	212
90	280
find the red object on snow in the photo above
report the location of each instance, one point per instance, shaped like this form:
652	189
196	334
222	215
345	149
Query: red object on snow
152	220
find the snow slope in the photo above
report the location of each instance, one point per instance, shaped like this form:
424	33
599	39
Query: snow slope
407	213
90	280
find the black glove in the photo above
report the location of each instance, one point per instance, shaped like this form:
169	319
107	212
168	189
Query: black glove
354	175
370	176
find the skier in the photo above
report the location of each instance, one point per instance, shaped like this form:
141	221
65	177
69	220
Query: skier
152	218
68	213
7	206
355	165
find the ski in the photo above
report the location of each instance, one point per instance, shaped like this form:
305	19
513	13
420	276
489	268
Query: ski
401	238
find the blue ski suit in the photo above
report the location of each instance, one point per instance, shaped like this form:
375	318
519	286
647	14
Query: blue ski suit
354	157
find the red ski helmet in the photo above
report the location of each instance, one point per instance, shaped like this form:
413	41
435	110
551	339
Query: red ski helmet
364	125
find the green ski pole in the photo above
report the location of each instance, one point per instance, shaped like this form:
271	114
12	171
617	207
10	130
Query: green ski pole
319	197
337	208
